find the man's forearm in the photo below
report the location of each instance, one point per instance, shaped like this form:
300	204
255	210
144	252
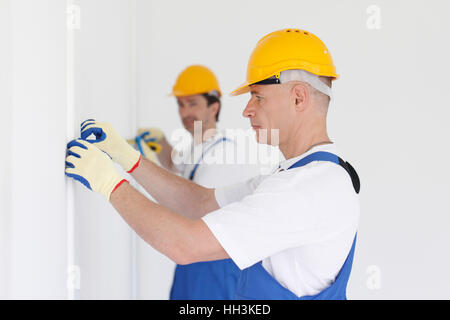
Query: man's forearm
173	192
165	156
181	239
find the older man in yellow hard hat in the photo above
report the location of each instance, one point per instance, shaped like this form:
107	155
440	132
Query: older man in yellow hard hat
293	233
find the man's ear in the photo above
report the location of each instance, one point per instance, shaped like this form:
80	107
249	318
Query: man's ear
301	96
215	108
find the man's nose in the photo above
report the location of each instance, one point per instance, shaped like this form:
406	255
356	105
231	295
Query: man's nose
184	111
249	111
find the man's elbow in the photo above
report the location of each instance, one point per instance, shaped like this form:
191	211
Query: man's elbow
184	261
200	246
185	256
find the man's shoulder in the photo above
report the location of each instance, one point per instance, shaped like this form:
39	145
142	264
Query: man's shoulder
315	176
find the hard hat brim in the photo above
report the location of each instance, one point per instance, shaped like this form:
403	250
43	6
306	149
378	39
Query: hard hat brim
320	71
243	88
183	94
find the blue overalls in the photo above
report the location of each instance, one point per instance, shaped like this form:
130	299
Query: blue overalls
212	280
256	283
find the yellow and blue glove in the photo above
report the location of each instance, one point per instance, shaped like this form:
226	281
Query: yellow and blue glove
108	140
92	167
147	149
151	137
151	134
148	142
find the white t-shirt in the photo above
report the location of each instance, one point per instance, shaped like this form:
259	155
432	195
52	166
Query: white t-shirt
300	222
218	166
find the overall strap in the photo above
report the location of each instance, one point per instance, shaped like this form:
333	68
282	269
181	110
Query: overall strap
256	283
194	170
327	156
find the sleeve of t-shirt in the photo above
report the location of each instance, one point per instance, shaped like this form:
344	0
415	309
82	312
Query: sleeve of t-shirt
179	160
280	215
232	180
236	192
179	168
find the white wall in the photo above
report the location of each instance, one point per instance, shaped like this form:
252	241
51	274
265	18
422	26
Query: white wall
5	157
36	219
389	115
35	242
104	90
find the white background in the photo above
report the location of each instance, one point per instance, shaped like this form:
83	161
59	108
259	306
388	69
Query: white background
389	117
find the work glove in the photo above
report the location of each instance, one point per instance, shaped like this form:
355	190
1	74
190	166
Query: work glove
151	140
108	140
151	134
92	167
145	149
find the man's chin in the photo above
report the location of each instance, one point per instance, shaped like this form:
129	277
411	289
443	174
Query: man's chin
190	129
265	139
261	139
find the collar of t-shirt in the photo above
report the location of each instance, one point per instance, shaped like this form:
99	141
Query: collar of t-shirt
329	147
218	135
195	151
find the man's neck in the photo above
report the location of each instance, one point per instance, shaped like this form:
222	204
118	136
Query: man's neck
211	132
206	135
299	143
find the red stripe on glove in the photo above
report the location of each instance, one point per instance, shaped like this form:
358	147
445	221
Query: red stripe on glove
135	166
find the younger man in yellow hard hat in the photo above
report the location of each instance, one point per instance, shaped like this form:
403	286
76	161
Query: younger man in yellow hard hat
198	96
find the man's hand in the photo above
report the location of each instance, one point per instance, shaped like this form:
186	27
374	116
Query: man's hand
145	150
92	167
151	134
108	140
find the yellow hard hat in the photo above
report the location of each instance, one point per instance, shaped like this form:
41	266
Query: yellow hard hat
195	79
287	49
